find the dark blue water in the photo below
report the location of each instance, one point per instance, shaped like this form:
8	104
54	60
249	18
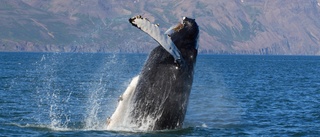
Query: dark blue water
55	94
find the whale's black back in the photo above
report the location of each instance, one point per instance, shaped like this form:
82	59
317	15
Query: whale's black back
164	87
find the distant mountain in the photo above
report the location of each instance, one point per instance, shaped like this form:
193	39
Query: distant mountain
286	27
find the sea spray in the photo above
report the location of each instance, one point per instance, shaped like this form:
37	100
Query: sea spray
52	98
60	90
93	107
96	112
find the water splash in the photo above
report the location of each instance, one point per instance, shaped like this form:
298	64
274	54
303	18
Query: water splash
92	120
96	116
64	102
52	98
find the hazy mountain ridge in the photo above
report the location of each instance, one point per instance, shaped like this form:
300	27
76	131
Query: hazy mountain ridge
227	27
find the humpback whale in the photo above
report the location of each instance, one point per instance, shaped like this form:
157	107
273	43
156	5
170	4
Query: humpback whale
157	98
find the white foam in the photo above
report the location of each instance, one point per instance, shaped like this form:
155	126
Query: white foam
204	125
48	127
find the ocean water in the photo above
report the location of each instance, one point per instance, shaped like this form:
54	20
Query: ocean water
72	94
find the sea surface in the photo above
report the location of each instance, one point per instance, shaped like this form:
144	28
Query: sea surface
72	94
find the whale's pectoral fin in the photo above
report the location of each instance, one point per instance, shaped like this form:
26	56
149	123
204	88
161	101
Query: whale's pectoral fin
163	39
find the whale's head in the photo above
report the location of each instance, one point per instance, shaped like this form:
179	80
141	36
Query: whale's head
187	31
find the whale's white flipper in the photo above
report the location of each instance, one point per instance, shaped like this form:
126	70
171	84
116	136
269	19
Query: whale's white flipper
154	31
